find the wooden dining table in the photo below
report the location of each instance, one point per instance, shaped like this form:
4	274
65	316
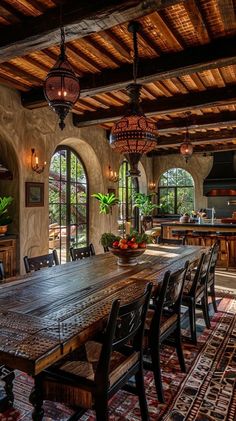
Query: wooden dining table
49	313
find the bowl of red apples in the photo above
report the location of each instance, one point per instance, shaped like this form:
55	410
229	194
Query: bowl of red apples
127	249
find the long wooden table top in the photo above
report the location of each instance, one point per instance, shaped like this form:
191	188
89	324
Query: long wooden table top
51	312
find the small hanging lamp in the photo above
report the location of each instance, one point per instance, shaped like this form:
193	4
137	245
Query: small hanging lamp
186	149
135	134
61	86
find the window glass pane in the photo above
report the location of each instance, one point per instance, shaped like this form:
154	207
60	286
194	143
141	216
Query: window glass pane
176	191
67	201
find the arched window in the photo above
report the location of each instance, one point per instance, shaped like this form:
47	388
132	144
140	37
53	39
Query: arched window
126	189
68	199
176	191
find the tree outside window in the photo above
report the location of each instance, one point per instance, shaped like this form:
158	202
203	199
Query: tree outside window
126	189
176	192
68	196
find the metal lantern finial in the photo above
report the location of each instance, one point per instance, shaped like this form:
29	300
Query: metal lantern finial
134	134
61	86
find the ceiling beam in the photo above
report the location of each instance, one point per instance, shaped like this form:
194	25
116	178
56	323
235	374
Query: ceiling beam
208	121
216	54
80	18
197	149
198	139
176	104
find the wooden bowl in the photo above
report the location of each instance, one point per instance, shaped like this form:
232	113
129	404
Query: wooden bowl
127	257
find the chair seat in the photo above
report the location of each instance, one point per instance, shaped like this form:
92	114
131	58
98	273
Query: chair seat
85	369
166	320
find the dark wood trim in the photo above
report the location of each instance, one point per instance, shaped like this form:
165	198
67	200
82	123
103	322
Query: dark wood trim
79	19
198	139
216	54
176	104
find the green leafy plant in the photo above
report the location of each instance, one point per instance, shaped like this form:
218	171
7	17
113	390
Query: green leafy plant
107	239
5	201
140	237
144	203
106	201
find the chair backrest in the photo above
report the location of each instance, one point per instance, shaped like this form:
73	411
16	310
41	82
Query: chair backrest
169	295
39	262
82	252
2	273
173	241
124	330
214	256
198	275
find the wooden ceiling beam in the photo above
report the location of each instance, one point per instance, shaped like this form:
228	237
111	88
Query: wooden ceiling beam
197	150
79	19
176	104
216	54
198	139
209	121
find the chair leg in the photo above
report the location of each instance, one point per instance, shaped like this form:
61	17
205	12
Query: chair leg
204	304
156	366
179	350
141	395
227	246
101	408
192	321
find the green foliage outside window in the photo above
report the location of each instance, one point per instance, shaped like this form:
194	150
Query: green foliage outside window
176	192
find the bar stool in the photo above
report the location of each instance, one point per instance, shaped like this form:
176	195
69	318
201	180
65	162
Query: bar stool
202	236
181	234
227	237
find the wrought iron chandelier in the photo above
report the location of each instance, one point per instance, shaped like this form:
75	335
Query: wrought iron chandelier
186	149
135	134
61	86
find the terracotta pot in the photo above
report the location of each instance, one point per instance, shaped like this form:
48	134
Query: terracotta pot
183	219
3	229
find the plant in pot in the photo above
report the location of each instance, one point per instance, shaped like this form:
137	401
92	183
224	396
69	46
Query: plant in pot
145	205
5	219
106	203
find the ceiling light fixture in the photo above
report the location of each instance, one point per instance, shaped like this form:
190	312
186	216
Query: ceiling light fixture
61	86
135	134
186	149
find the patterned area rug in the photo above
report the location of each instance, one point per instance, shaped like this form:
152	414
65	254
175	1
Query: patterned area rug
206	393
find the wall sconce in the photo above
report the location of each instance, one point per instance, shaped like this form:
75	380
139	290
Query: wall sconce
152	185
113	177
38	168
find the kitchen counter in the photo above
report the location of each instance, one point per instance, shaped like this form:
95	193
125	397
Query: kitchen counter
168	227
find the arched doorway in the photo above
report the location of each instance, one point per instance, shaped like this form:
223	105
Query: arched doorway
68	202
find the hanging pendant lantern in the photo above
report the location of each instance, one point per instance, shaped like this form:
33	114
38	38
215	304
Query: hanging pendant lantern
135	134
61	86
186	149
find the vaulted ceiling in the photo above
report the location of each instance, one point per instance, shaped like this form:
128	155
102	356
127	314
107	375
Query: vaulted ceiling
187	63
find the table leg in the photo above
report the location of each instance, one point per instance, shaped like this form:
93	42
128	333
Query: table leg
36	399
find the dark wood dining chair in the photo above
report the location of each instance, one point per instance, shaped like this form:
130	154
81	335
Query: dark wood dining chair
90	376
82	252
2	273
211	273
163	324
39	262
195	293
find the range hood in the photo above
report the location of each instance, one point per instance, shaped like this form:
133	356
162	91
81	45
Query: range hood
221	181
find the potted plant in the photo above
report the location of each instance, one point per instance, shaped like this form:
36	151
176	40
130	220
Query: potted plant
5	219
145	205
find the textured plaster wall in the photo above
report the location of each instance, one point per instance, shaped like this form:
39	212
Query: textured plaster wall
198	166
21	130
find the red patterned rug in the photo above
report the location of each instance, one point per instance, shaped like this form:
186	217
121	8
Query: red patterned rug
206	393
